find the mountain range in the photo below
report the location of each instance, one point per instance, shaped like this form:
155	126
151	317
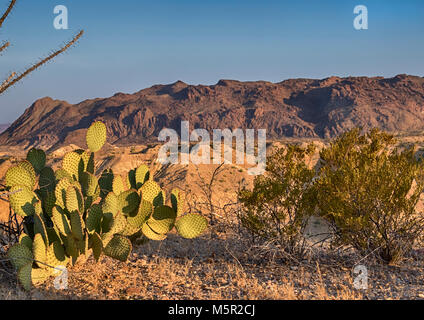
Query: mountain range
291	108
4	127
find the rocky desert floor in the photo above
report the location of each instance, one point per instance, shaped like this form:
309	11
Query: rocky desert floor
223	263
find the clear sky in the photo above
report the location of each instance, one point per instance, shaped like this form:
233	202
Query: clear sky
133	44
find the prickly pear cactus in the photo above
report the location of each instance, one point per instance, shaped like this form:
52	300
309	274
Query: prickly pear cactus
73	214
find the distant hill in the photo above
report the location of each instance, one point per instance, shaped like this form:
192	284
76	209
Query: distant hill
292	108
4	127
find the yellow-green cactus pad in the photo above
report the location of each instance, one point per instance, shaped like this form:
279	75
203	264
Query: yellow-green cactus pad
150	191
142	175
163	219
111	204
94	219
89	185
28	167
77	225
106	183
48	202
150	234
72	248
37	158
96	245
131	180
47	181
39	250
20	255
119	223
74	200
191	226
96	136
129	202
24	276
56	255
118	185
61	221
23	200
61	174
26	240
119	248
39	276
19	176
60	192
178	201
40	227
73	164
143	214
52	235
129	230
88	159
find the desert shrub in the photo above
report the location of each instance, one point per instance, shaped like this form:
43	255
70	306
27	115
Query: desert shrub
275	210
368	190
71	214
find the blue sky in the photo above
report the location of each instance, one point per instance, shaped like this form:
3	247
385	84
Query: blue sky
132	44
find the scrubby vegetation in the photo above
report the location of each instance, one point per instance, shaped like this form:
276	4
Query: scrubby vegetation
70	214
368	190
275	210
364	187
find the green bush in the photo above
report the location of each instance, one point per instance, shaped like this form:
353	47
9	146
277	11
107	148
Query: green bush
70	214
275	210
368	190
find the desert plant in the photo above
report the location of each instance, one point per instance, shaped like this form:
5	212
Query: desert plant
15	77
70	214
274	211
368	190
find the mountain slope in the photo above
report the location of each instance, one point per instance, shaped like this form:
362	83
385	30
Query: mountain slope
292	108
3	127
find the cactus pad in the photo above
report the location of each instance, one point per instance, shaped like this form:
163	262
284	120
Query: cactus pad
26	240
22	200
150	234
37	158
191	226
118	185
142	174
60	191
39	251
96	136
119	248
150	191
178	201
97	245
73	164
24	276
77	225
89	185
74	200
129	202
94	219
18	175
20	255
111	204
28	167
162	220
144	212
61	221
